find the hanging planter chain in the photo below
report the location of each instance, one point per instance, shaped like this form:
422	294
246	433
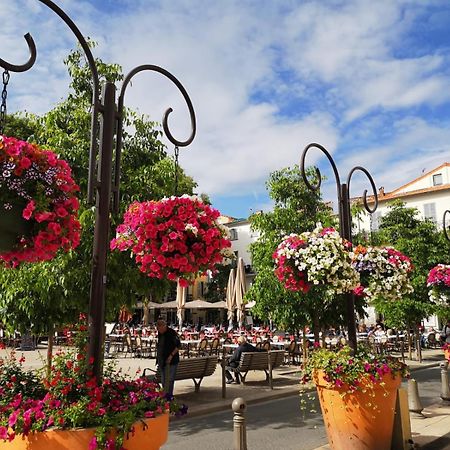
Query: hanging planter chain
6	76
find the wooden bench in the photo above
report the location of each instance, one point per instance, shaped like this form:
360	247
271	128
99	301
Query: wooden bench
266	361
192	368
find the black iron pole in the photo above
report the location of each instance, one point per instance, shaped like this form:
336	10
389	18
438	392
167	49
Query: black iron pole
101	231
346	233
345	220
446	212
110	117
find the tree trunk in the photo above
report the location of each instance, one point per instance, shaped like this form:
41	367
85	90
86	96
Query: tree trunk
305	346
316	327
409	341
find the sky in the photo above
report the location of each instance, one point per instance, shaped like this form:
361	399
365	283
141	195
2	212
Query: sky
370	81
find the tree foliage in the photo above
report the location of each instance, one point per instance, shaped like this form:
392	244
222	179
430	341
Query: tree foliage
296	209
54	291
424	244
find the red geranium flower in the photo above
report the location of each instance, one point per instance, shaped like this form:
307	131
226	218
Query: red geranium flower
43	183
174	238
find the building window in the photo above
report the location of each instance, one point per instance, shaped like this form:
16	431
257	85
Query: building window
437	179
233	234
429	211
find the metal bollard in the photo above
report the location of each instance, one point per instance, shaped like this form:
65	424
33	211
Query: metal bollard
414	403
445	390
239	429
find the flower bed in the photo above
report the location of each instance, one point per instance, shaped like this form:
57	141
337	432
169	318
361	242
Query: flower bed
40	185
384	272
177	238
69	398
438	281
319	257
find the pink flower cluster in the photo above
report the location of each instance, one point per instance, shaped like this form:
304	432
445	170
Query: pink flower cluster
439	276
174	238
42	182
70	397
286	271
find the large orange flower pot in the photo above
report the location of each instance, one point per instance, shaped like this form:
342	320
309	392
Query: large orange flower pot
149	437
363	420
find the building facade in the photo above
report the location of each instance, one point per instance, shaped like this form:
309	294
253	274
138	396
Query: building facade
429	194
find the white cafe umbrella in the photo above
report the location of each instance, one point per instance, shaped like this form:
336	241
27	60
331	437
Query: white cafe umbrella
181	300
202	304
230	298
239	291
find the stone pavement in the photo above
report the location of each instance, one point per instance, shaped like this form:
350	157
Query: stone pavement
430	433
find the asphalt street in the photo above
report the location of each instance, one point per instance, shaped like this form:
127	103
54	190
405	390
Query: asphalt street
275	425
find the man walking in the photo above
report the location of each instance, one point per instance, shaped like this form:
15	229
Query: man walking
167	356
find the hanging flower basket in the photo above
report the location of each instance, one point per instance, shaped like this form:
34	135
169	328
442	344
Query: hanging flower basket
38	207
384	273
319	257
174	238
439	283
12	224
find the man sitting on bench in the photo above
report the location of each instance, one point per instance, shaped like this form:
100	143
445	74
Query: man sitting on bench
233	361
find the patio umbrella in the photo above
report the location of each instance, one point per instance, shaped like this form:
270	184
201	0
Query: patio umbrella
239	291
181	300
250	305
202	304
230	298
170	305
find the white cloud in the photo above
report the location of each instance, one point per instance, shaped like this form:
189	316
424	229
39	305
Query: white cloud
265	78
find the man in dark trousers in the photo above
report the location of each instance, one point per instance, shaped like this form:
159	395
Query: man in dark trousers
233	361
167	356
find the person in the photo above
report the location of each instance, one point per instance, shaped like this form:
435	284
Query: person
233	361
167	354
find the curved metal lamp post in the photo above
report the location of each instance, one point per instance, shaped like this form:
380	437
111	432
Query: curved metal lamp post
345	218
103	103
446	212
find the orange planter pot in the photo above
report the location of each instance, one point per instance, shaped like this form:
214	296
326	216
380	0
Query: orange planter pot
363	420
151	437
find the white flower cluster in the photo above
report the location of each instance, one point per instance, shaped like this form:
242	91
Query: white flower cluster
384	272
324	259
440	298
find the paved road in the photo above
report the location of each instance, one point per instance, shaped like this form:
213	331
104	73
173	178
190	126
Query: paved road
274	425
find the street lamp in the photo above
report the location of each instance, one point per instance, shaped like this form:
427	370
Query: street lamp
100	174
345	218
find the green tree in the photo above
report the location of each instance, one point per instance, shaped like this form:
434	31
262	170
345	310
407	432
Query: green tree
60	288
423	244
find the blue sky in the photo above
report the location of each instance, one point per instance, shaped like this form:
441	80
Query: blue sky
368	80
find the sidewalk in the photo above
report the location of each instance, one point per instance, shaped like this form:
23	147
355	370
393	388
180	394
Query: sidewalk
431	432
